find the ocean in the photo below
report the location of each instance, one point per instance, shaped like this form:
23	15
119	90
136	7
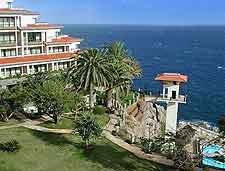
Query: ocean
196	51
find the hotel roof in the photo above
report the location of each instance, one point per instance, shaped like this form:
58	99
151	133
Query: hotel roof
41	26
65	39
17	11
35	58
171	77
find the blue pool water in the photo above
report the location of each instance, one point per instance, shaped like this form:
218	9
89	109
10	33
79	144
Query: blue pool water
198	52
210	161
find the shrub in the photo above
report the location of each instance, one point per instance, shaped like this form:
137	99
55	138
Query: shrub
10	146
114	133
220	158
124	135
99	110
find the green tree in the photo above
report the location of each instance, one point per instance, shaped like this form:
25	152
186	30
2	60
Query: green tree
124	67
87	127
11	102
90	69
50	94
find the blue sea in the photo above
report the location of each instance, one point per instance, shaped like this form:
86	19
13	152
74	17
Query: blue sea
196	51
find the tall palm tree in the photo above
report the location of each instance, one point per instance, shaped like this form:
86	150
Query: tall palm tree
90	70
124	67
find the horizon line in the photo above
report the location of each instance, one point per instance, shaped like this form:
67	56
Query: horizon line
153	25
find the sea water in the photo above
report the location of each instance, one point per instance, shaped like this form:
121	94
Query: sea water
198	52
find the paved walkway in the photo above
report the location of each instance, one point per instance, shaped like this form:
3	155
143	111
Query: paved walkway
133	149
11	126
33	124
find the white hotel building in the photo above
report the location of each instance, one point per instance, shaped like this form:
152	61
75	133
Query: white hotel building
27	46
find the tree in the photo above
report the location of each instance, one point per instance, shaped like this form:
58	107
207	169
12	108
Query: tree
49	96
87	127
11	102
124	67
90	69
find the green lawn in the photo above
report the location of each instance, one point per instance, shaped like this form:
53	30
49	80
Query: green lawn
68	123
53	152
10	122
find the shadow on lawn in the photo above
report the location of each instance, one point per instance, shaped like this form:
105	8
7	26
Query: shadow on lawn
111	157
106	154
54	139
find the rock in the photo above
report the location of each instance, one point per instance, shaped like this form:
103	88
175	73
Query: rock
148	120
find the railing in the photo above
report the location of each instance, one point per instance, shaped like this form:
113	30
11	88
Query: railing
7	27
33	42
180	98
7	43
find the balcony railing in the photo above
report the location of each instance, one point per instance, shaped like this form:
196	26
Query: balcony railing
180	98
7	27
37	42
161	98
7	43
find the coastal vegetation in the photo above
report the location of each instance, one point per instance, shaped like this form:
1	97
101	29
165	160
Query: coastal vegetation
100	75
87	127
48	151
81	100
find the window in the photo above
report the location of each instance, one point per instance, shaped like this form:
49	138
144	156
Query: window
7	22
35	50
7	38
8	52
34	37
9	4
56	49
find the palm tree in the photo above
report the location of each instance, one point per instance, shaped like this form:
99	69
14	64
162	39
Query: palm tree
124	67
90	70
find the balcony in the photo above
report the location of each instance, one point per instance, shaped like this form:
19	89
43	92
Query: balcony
8	27
179	99
10	43
36	42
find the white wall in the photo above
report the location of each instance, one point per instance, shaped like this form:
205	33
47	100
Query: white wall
28	19
171	117
74	47
171	87
51	34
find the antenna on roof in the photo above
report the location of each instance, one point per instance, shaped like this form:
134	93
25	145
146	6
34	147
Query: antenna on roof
6	3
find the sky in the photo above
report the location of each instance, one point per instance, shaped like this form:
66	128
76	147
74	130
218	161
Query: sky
146	12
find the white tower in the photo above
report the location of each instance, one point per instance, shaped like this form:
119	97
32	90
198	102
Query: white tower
6	3
171	86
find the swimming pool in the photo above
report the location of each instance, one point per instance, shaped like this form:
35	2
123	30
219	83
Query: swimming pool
210	161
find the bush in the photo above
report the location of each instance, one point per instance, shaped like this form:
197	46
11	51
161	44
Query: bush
220	158
99	110
124	135
10	146
114	133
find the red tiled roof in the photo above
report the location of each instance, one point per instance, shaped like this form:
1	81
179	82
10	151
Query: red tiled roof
17	11
42	26
64	39
171	77
35	58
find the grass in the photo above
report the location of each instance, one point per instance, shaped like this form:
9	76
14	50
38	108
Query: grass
65	123
10	122
47	152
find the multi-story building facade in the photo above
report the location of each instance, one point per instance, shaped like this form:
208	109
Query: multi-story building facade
27	46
